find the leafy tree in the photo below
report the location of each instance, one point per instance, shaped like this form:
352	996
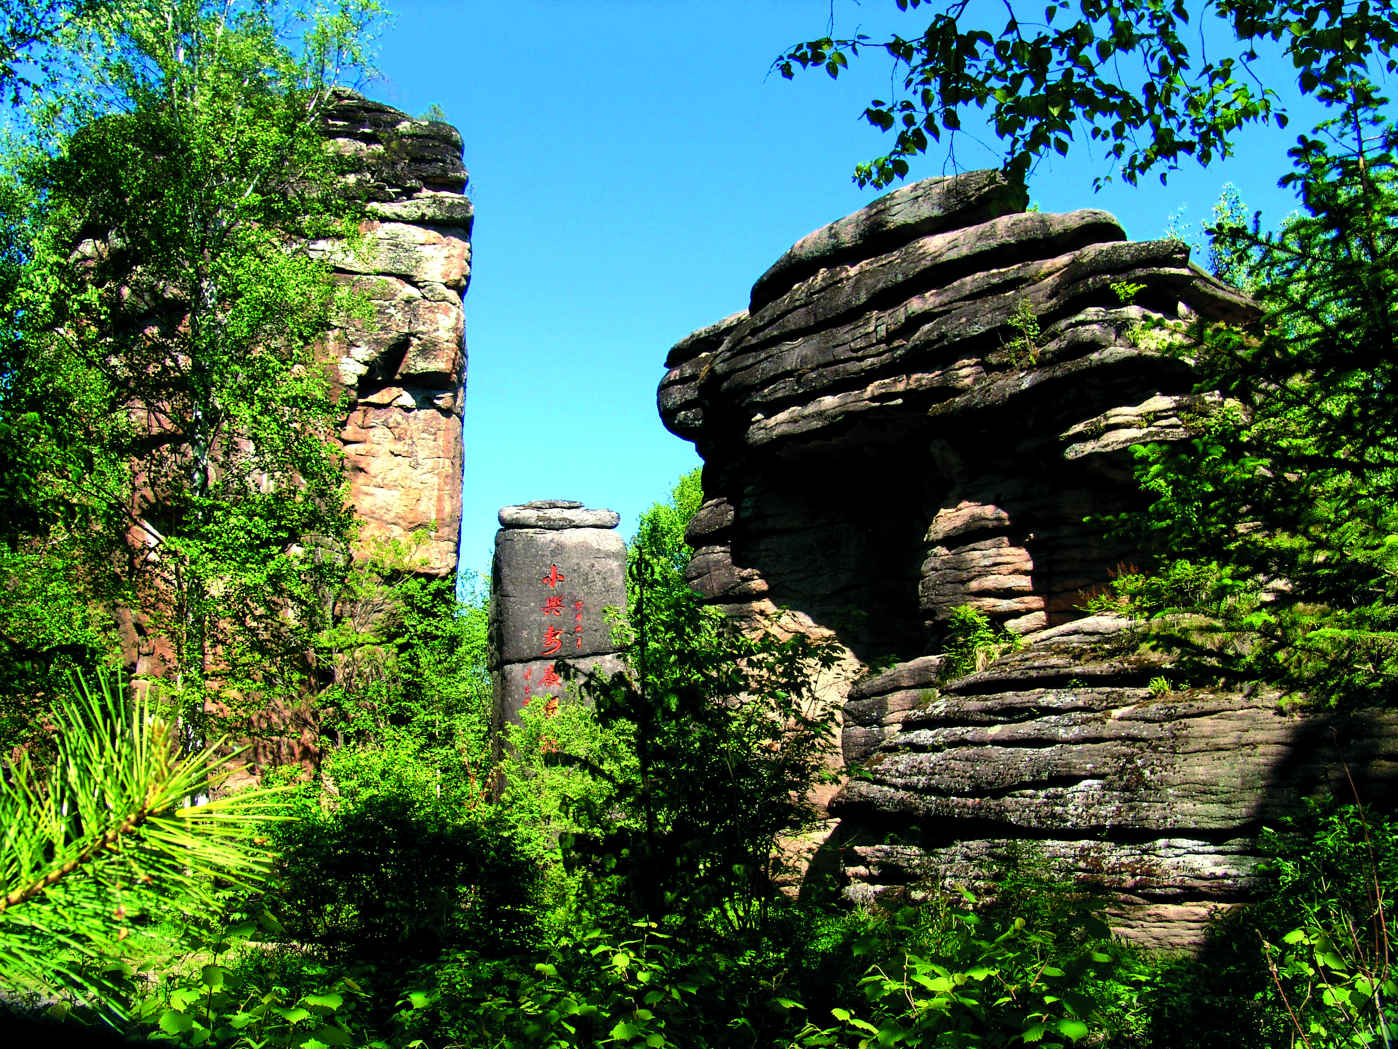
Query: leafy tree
405	661
178	149
728	739
1279	520
101	843
1116	72
28	28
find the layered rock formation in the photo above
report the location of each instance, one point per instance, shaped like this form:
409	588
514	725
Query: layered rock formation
405	370
924	406
1064	756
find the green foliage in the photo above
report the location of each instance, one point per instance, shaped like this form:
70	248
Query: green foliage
591	991
1126	291
964	979
730	736
230	991
406	665
105	840
1277	521
394	874
1333	971
659	538
1119	73
1025	345
158	324
972	641
1232	259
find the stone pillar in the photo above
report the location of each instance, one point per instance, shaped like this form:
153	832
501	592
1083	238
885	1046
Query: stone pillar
557	567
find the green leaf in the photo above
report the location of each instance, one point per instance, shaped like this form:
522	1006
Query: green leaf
1072	1029
625	1031
173	1022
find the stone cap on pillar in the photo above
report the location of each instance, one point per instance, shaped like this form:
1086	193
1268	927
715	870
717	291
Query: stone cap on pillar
556	514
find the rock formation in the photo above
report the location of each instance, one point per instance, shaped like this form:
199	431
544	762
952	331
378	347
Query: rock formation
557	568
923	407
405	373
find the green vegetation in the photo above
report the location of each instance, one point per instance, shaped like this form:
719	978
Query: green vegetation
1274	528
100	842
972	641
1118	72
625	869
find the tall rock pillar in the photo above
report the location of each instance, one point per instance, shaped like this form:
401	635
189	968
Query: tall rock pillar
557	568
402	370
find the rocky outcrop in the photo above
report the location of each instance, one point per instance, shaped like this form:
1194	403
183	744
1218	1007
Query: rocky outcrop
923	403
927	405
404	369
1066	757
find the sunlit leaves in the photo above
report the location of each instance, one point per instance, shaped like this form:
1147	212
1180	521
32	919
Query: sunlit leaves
105	837
1122	74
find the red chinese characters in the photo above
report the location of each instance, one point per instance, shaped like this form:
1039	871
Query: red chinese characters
554	577
552	606
550	677
578	627
553	641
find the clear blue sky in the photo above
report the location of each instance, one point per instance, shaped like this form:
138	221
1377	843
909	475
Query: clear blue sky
634	169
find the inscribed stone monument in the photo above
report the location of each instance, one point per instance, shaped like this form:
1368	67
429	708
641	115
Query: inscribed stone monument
557	567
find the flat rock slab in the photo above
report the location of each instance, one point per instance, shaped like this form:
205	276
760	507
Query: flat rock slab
556	517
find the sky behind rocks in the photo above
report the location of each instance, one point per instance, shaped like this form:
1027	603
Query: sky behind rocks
634	169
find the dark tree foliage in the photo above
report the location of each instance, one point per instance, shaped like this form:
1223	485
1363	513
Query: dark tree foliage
729	737
1121	73
392	879
1279	519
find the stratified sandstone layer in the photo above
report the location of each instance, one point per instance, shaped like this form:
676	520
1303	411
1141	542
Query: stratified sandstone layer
882	439
1154	797
405	371
924	407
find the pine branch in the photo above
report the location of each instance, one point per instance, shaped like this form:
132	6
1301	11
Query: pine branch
104	834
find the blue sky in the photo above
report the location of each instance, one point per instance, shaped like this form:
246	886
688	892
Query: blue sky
634	169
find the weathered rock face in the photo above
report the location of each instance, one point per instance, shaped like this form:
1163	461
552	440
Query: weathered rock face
883	438
1155	797
557	568
405	372
920	408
